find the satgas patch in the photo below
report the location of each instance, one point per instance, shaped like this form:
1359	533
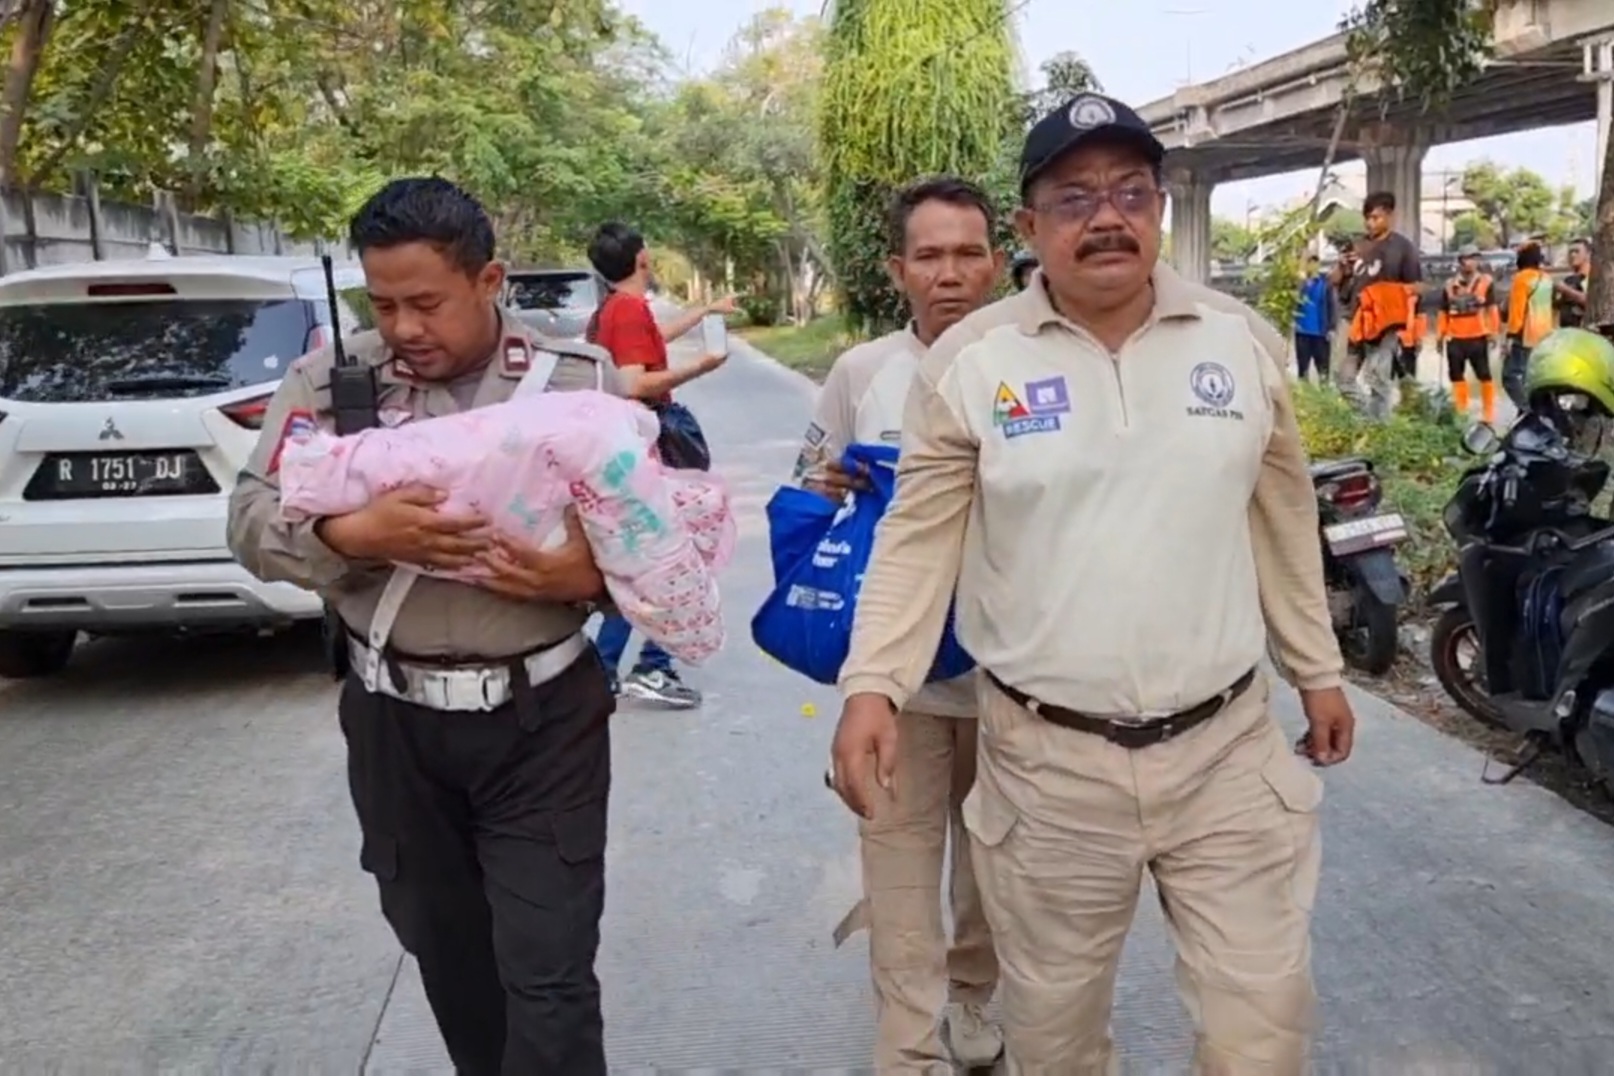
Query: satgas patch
1213	392
1035	409
299	425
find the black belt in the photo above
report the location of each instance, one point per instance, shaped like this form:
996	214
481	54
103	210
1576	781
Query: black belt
1131	735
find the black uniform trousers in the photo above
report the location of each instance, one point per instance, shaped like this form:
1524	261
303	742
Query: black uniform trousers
486	836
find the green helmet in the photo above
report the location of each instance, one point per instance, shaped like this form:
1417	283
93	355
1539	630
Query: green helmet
1570	362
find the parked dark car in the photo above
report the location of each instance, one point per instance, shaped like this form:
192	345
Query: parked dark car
556	302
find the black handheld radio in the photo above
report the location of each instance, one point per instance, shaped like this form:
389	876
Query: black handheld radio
354	398
353	386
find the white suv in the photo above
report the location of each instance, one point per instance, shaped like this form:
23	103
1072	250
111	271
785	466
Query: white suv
131	393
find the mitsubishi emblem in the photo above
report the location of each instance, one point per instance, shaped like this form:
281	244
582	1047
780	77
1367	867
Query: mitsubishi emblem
110	431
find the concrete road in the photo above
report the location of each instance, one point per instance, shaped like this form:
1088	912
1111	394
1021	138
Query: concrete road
179	889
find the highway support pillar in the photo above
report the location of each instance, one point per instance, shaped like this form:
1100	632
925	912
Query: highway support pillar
1599	70
1191	223
1398	168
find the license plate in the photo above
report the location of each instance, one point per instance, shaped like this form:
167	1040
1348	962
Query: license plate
76	475
1357	534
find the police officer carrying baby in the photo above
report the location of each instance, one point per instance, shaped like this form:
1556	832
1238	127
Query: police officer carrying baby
476	717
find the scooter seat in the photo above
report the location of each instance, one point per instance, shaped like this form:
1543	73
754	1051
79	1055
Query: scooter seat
1323	470
1590	568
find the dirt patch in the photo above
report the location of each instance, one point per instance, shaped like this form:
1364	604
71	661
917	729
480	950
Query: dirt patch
1412	686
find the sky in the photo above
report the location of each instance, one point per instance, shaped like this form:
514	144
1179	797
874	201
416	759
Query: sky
1142	50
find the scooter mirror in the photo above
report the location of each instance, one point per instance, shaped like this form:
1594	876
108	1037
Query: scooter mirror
1481	439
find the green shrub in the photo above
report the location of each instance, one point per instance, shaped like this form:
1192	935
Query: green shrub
759	311
1419	457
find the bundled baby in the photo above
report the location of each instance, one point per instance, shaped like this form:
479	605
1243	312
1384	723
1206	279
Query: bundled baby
659	535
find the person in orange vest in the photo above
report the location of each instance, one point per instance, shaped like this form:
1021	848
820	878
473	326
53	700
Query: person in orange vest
1530	317
1469	319
1389	265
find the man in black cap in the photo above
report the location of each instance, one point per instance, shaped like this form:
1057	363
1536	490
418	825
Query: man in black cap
1106	470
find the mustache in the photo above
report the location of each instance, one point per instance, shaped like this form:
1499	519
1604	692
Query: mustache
1107	243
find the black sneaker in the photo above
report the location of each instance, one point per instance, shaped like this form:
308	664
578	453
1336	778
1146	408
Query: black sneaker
663	686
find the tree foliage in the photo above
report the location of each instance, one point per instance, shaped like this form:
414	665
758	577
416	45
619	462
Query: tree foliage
1061	77
740	189
910	89
295	110
1511	205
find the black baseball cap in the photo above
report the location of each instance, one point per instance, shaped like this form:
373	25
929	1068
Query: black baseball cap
1084	117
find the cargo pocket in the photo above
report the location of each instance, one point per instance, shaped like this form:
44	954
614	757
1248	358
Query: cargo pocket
580	834
1298	793
989	817
378	855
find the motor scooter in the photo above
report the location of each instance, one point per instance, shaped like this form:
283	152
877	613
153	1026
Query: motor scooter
1525	639
1365	585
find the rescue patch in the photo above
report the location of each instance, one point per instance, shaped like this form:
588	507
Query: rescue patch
299	425
1212	384
517	355
1049	398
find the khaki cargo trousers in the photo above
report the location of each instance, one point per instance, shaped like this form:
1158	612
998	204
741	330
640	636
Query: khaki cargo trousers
904	846
1063	824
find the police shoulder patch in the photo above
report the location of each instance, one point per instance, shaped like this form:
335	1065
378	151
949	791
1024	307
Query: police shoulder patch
517	355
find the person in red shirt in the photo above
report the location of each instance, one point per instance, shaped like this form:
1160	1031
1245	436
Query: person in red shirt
625	325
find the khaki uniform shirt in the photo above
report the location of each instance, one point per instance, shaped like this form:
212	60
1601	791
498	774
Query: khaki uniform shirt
441	618
1124	529
862	401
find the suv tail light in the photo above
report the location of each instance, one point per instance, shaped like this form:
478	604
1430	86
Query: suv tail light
1352	491
248	414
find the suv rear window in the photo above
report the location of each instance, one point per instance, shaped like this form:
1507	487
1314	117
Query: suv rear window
93	352
553	291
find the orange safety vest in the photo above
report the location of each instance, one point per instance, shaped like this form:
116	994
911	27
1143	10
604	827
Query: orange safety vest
1412	333
1469	314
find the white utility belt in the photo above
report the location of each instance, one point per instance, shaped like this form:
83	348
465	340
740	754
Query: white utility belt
464	689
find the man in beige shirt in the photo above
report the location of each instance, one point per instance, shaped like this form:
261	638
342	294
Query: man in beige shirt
476	717
945	263
1107	466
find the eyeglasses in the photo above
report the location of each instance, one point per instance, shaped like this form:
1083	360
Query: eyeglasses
1079	206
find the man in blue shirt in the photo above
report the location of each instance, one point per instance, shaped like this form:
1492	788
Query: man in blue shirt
1314	321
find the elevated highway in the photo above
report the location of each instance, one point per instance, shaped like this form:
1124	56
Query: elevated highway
1553	65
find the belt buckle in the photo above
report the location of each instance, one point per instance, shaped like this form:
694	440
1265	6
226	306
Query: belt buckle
459	690
1136	734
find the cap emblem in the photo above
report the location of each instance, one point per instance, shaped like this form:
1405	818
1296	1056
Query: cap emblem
1089	112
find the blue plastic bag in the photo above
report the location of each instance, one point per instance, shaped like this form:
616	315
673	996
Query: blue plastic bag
797	521
820	551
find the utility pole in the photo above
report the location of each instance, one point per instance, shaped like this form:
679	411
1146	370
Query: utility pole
1188	41
1598	68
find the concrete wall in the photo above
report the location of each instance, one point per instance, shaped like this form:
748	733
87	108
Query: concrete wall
51	229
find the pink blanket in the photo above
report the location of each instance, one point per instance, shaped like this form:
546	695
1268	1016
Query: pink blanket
658	535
